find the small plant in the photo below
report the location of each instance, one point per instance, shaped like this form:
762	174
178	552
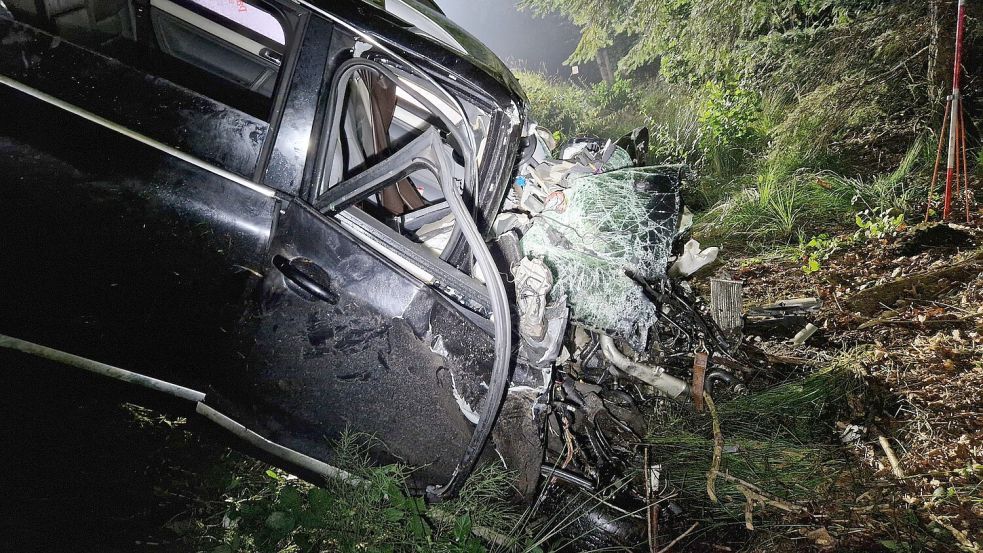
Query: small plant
557	105
877	223
815	251
272	511
729	125
729	114
614	96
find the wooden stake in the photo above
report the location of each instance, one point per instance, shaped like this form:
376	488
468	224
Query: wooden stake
718	450
938	157
653	507
962	135
951	174
891	457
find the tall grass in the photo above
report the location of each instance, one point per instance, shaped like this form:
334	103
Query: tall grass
776	207
783	202
768	169
780	439
897	190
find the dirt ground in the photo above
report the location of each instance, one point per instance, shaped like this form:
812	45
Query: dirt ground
912	303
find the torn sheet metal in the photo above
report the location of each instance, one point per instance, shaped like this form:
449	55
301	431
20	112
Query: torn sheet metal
533	282
544	351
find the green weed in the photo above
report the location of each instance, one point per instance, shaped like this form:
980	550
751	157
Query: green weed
817	250
270	511
876	224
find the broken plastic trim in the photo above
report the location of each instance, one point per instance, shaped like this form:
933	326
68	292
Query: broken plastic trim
275	449
295	458
116	373
438	163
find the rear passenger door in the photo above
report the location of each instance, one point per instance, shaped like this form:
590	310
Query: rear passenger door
133	134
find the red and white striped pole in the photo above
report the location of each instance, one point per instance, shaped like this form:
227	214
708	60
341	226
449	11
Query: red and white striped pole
956	109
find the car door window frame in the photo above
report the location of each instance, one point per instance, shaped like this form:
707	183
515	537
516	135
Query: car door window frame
159	123
463	289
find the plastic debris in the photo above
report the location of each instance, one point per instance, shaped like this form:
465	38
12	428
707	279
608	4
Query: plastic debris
533	282
692	260
804	334
685	221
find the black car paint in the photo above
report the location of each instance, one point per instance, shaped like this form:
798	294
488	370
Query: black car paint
116	251
364	363
120	251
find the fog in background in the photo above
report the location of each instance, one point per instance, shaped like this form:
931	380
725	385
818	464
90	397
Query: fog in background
521	38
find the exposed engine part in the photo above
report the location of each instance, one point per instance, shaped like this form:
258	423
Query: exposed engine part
634	337
723	377
568	477
533	280
650	374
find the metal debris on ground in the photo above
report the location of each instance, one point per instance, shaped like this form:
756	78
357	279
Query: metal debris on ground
600	254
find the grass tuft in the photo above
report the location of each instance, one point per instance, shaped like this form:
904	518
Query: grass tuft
779	439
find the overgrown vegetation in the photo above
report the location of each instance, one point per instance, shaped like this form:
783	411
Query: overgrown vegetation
267	510
795	115
811	128
782	440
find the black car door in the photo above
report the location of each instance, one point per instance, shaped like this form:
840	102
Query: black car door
131	134
357	326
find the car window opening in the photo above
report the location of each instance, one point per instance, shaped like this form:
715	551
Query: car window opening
228	50
382	124
363	139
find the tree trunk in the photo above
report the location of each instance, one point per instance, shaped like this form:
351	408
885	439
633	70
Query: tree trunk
933	49
604	63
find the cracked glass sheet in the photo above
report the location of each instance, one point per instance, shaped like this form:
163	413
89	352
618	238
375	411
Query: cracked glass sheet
603	225
620	159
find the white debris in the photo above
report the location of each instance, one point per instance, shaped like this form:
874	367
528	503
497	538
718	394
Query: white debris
804	334
692	260
533	281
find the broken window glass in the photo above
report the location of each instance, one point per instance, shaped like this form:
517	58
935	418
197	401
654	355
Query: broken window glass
602	225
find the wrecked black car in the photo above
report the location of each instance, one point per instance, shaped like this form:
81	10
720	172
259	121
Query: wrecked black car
303	217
